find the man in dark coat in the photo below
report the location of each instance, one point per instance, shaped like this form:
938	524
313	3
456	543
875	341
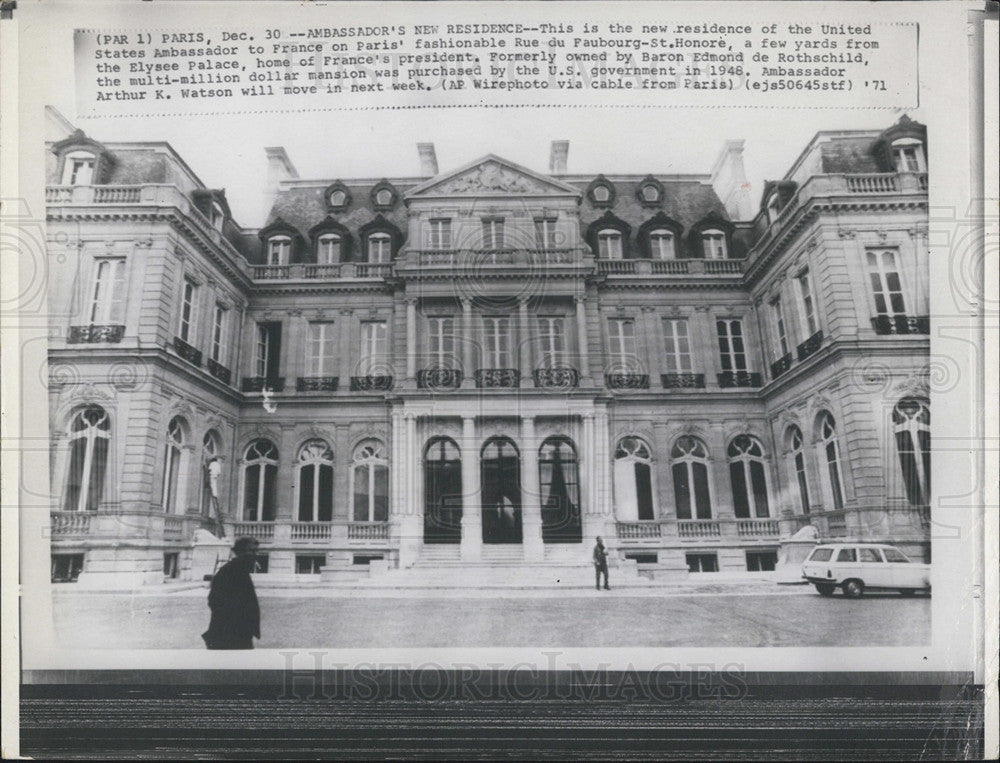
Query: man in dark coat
233	601
601	564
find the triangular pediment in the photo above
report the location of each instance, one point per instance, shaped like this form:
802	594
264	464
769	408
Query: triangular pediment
492	176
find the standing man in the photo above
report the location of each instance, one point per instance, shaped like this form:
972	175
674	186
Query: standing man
233	601
601	564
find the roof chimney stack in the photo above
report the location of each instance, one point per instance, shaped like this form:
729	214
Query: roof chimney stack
279	168
557	158
428	159
730	181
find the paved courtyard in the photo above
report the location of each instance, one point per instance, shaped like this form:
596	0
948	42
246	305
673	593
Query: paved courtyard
759	617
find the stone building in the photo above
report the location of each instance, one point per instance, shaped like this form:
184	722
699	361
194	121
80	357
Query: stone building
489	365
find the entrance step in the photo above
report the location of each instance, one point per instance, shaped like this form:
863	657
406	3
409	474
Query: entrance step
433	553
502	575
503	553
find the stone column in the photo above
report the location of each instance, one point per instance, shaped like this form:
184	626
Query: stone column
581	339
705	336
411	339
524	343
602	466
653	353
588	471
345	350
721	488
410	529
467	339
472	518
294	348
531	507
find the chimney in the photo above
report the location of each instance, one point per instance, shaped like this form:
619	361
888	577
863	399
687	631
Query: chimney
428	159
730	181
279	167
557	157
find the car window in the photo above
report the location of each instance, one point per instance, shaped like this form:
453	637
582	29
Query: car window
894	555
821	555
870	555
847	555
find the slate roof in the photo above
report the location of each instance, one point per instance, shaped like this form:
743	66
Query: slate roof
851	155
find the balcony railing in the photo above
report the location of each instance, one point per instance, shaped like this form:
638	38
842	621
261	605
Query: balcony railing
757	528
93	334
69	523
321	271
902	324
311	531
698	528
271	272
638	530
465	258
439	378
186	351
372	269
808	347
922	181
317	384
781	365
616	267
488	378
669	267
368	531
681	267
218	370
260	383
371	383
558	378
682	381
723	267
886	182
173	528
626	381
730	379
262	531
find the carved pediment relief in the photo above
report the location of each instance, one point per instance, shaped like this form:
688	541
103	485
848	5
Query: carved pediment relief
492	175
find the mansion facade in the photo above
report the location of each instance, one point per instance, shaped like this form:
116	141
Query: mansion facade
486	365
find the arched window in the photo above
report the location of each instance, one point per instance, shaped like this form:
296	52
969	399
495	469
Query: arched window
379	248
370	482
328	249
559	482
714	244
602	193
78	168
337	198
609	244
260	480
442	491
661	244
831	454
749	477
911	423
500	482
908	155
633	480
279	250
172	465
89	442
690	471
315	482
797	465
384	197
210	467
650	193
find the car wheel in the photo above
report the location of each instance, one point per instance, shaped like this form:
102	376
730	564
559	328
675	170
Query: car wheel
825	589
907	591
854	589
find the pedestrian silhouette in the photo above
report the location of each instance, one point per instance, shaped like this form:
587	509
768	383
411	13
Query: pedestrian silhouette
601	564
233	601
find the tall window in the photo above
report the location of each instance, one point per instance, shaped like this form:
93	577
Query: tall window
268	350
797	465
773	207
779	327
553	341
374	343
732	350
260	480
322	349
831	454
188	310
219	334
885	282
315	482
500	486
748	475
442	341
370	482
328	249
89	442
496	335
172	465
911	423
493	233
439	234
379	248
908	156
690	471
807	303
216	216
210	451
609	244
661	245
559	481
677	345
545	233
279	250
633	480
107	305
621	342
714	244
442	492
78	169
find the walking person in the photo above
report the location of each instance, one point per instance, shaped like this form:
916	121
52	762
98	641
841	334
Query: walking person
233	601
601	564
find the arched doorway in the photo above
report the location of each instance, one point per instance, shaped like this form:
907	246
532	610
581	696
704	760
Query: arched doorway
442	492
500	480
560	486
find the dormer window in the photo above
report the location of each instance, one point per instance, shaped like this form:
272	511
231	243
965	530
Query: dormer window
379	248
384	197
79	168
908	155
661	244
328	249
773	207
609	244
338	197
714	244
602	194
650	193
279	250
218	217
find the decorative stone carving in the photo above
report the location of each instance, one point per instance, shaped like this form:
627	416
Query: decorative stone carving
493	177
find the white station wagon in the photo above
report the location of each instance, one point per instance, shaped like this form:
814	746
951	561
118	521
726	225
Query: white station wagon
855	567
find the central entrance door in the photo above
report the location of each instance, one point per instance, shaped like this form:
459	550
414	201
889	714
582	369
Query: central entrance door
442	492
500	480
